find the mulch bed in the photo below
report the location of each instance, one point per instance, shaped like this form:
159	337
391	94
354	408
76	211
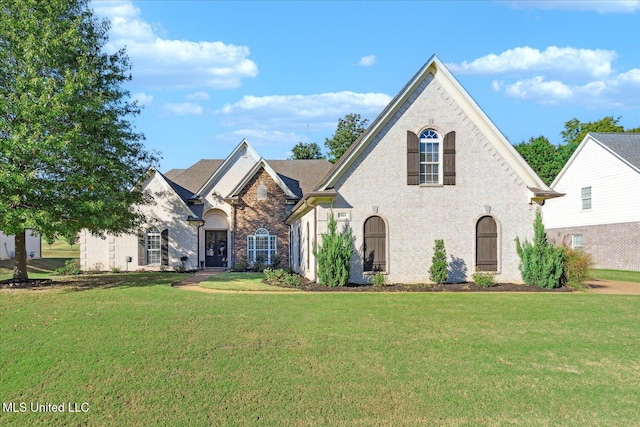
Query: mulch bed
447	287
25	283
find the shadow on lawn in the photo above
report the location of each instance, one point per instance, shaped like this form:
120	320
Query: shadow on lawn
85	282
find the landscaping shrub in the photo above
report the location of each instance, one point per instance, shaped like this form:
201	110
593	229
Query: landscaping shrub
379	279
484	279
281	276
576	268
541	263
241	265
334	255
438	269
71	267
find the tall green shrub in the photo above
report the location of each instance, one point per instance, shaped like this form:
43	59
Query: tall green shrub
540	262
334	255
438	269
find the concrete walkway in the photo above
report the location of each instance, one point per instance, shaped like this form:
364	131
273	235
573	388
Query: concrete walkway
594	286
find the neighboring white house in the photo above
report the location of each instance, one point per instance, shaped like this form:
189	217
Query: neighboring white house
8	246
601	210
431	166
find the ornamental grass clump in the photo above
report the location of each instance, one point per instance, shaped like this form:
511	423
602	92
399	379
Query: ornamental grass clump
334	255
438	269
541	263
576	267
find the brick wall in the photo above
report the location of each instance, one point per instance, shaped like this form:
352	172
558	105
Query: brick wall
613	246
251	214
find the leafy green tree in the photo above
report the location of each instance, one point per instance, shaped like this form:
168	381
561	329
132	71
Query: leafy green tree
334	255
438	269
310	151
541	263
70	156
575	131
348	130
547	160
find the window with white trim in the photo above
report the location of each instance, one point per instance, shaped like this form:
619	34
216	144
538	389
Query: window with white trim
261	246
153	246
576	241
429	169
586	198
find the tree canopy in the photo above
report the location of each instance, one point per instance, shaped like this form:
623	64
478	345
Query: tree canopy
309	151
69	153
348	130
547	160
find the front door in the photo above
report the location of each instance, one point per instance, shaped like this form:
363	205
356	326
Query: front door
215	248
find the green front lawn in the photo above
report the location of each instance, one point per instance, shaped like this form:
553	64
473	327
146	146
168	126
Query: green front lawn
142	353
617	275
230	281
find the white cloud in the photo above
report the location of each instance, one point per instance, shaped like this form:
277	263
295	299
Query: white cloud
621	91
198	96
560	61
163	63
602	6
322	110
367	61
183	109
143	99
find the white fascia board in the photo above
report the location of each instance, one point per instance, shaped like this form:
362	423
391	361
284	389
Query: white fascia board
216	174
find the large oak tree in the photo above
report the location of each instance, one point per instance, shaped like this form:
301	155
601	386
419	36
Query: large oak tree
69	154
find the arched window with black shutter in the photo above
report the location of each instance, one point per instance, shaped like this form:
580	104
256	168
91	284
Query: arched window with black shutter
375	245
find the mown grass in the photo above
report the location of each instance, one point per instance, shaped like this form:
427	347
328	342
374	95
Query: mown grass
142	353
230	281
618	275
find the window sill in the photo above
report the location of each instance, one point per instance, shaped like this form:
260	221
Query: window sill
431	185
373	273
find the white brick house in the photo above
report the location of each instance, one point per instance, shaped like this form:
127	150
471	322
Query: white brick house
601	210
430	166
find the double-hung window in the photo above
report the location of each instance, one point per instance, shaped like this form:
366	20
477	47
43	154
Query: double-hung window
586	198
261	247
153	246
429	172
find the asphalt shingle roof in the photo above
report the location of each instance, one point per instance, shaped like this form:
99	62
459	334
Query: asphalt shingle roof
625	145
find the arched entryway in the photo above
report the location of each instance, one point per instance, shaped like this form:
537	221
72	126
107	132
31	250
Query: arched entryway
486	244
375	244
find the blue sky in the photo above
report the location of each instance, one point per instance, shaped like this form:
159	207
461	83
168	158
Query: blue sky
211	73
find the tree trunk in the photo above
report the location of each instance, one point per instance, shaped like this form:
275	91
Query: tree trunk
20	262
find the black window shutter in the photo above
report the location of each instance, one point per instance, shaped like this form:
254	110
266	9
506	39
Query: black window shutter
449	159
413	158
164	246
142	248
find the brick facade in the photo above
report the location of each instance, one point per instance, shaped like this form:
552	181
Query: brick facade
250	214
612	246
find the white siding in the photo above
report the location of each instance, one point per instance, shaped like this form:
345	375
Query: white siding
615	191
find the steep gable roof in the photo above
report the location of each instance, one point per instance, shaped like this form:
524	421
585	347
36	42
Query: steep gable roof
625	145
196	175
436	68
262	164
301	176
